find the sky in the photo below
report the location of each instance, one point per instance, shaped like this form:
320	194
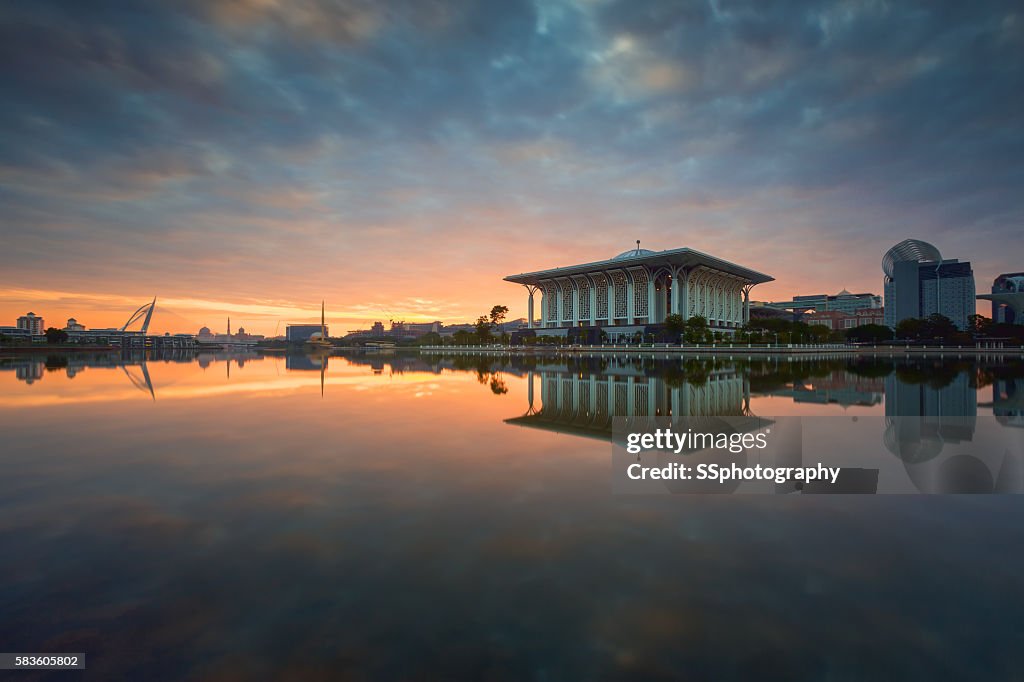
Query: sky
397	159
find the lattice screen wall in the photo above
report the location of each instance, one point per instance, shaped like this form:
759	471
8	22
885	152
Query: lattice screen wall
567	299
619	279
640	280
584	289
601	282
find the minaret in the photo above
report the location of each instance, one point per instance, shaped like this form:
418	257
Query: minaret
229	325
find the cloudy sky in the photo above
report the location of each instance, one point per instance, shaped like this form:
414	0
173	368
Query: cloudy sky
252	157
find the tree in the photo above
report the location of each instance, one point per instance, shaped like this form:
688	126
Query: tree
497	315
675	325
910	328
979	325
819	333
940	327
429	339
869	333
483	328
54	335
696	329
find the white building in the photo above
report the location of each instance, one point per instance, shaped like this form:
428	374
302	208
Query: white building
638	288
32	323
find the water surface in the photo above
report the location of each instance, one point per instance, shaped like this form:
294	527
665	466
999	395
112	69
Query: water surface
404	517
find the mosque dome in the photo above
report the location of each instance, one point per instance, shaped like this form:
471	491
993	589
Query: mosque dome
634	253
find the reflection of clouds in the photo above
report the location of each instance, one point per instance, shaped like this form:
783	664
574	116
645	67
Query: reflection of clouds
278	534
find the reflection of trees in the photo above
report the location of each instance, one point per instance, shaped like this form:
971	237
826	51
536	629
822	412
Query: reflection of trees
936	374
769	375
498	386
764	374
871	368
55	362
487	376
1005	371
492	379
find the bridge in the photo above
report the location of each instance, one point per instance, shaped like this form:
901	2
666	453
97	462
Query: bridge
127	338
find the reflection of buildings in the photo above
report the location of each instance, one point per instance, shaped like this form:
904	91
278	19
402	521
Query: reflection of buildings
932	429
919	283
921	397
839	387
29	371
306	363
586	403
132	363
1008	402
239	357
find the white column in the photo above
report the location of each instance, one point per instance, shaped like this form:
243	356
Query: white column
684	294
630	312
593	302
705	283
746	305
574	296
543	308
611	299
651	314
559	304
674	306
529	309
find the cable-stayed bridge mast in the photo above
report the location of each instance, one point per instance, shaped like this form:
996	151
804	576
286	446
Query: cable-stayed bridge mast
146	310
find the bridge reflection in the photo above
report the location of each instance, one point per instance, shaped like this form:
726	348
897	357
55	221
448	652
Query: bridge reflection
134	363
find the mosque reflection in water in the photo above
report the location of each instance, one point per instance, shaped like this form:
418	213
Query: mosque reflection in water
931	425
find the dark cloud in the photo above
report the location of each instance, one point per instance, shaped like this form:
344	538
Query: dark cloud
288	121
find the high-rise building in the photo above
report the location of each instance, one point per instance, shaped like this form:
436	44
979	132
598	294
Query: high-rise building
33	323
1007	298
919	283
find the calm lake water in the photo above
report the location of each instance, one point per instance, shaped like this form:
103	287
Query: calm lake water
406	517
